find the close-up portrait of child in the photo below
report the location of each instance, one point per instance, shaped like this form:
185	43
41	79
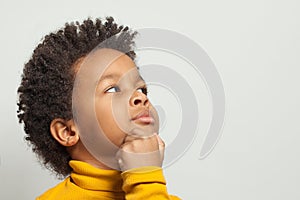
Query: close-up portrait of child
45	108
150	100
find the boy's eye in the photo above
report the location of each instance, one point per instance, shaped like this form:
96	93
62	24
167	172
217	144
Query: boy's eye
113	89
143	90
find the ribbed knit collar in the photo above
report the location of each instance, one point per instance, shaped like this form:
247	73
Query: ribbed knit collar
89	177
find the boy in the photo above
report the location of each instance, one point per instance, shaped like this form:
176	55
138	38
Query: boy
133	169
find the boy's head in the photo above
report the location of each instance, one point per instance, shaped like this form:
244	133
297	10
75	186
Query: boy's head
109	103
45	93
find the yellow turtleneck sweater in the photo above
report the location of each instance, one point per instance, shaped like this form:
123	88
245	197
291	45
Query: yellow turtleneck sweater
87	182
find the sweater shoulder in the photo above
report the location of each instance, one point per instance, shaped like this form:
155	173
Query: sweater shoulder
54	192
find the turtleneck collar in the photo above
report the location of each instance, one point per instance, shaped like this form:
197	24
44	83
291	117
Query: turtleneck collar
89	177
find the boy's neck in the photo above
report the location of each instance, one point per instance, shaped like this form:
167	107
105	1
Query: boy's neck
79	152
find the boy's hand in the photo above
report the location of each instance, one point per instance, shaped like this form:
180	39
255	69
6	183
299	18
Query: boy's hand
139	152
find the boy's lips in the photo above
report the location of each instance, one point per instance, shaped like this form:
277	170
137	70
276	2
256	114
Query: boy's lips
143	117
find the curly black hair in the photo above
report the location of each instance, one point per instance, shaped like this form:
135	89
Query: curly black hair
45	92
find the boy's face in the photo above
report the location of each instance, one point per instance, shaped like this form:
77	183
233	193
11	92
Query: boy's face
116	107
121	103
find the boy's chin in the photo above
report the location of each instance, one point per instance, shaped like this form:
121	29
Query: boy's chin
143	129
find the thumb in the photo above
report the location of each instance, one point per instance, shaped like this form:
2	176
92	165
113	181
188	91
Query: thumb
161	146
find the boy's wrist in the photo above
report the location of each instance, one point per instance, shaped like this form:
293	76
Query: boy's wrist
147	174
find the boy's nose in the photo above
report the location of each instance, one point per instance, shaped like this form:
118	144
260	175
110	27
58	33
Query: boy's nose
139	99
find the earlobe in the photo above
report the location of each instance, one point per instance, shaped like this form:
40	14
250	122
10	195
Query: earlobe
65	132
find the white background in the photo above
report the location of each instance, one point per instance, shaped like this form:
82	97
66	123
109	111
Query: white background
255	46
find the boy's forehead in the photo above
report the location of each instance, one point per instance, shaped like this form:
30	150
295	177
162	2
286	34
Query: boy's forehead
132	74
106	63
120	67
100	57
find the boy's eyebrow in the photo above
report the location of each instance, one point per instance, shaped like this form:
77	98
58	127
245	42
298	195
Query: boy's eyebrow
114	76
108	76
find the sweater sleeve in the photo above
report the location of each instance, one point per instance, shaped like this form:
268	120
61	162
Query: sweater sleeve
145	183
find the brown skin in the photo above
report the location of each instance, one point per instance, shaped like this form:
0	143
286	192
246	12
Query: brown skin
67	134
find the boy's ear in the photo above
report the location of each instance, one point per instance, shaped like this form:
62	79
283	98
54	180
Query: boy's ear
65	132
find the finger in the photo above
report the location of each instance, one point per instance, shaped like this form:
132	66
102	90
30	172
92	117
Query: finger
130	138
161	146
